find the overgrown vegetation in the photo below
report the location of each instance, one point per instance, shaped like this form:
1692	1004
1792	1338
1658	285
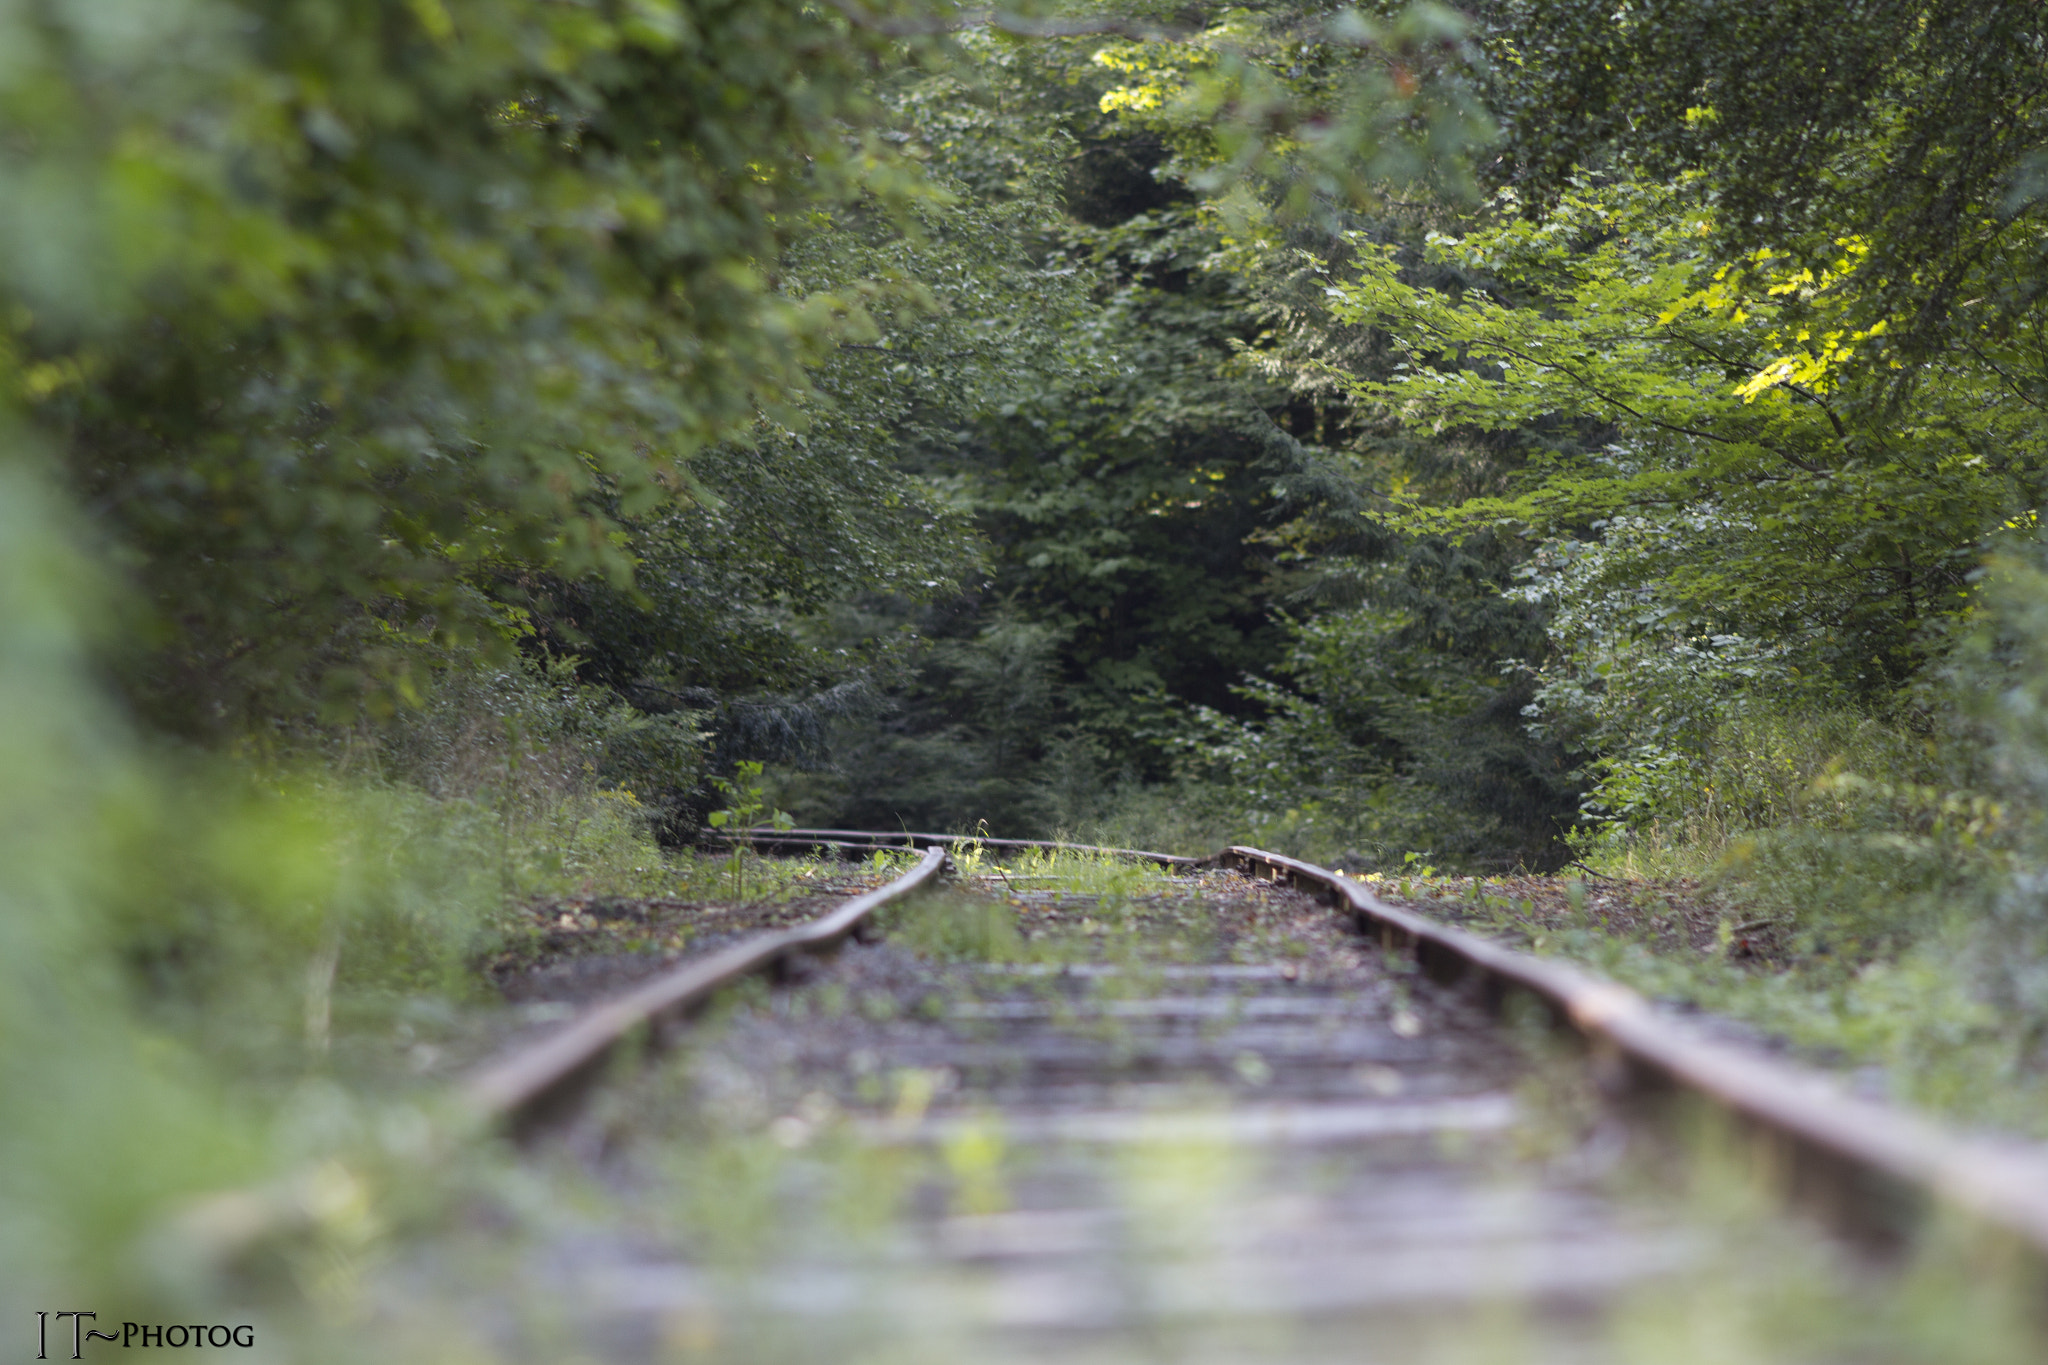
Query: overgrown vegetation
444	440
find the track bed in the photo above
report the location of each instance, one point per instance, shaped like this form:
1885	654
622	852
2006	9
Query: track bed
1200	1120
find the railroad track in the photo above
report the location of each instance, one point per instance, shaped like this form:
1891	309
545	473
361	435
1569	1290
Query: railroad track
1239	1109
1248	1111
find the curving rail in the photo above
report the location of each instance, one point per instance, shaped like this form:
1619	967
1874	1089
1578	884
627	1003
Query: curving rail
523	1090
1867	1168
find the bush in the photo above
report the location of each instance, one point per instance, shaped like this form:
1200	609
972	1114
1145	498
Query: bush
524	738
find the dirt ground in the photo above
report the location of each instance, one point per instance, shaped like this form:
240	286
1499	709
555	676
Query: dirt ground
1667	916
578	949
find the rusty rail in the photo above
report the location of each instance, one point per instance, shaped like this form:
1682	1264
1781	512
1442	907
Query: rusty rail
523	1090
1868	1168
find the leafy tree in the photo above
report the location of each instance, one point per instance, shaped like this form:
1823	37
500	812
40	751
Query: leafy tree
342	309
1915	127
1307	110
616	330
1382	682
738	596
1789	502
1117	491
1760	517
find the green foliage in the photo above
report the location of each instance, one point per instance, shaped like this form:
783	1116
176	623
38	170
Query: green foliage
803	516
958	929
1749	522
217	969
1120	514
523	733
179	942
611	331
115	1126
1117	492
1312	106
1400	724
1754	494
2004	662
1913	128
1088	873
741	600
1132	600
970	732
745	809
343	307
1112	462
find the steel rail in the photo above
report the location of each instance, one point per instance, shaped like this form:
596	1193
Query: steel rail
1865	1167
521	1091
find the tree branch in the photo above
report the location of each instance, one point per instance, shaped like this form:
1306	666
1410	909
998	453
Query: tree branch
1585	382
1797	390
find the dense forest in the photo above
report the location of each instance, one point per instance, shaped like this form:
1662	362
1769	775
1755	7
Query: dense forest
444	444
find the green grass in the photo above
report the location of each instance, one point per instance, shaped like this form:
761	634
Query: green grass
950	927
1893	988
1072	871
707	876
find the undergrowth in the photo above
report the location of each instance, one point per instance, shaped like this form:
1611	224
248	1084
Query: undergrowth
1075	871
949	927
207	963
